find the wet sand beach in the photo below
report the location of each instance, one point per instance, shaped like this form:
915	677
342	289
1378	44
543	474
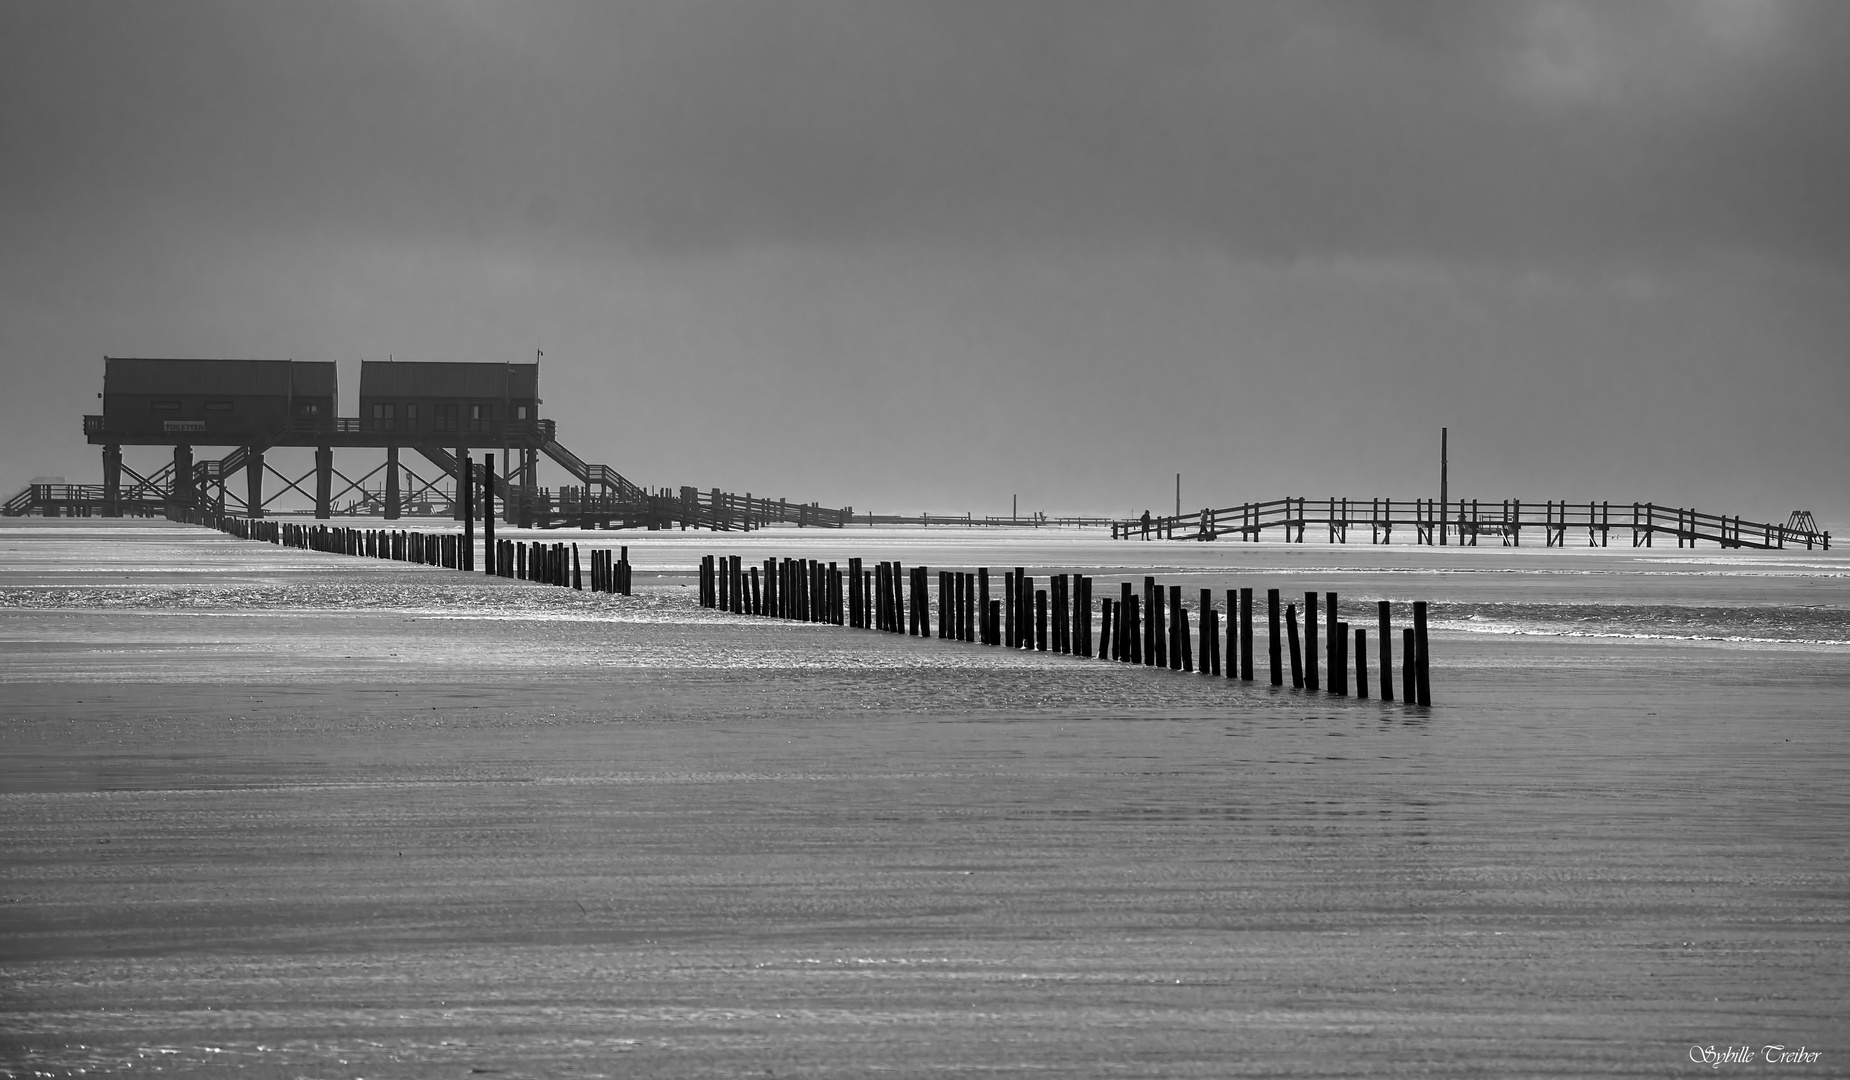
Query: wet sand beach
275	813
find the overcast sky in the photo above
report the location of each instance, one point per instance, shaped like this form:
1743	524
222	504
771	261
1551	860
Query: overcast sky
928	255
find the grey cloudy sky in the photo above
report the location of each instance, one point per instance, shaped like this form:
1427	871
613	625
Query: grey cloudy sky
926	255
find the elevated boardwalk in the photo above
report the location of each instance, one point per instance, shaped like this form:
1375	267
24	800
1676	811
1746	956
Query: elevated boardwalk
1465	521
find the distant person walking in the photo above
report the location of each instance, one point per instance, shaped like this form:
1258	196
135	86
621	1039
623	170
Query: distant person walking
1146	524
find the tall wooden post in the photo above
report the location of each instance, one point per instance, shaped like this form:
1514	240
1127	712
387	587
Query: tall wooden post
324	482
465	469
488	514
181	492
392	508
112	481
1443	493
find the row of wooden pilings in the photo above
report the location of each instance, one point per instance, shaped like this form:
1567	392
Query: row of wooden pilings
545	564
1150	629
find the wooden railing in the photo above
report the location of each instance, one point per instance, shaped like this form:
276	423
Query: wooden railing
1465	521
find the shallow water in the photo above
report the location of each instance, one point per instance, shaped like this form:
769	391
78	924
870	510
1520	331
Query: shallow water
275	813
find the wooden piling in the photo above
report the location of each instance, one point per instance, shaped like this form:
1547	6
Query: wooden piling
1422	669
1233	634
1153	624
1135	621
1361	665
1339	659
1040	620
1409	667
1274	646
1187	661
1337	645
1210	647
982	590
1009	611
1024	595
1175	627
1057	620
1246	633
1126	629
1297	657
465	483
488	517
1310	641
1024	615
1386	635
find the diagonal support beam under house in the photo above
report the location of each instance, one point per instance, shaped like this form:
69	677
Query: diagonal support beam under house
294	484
352	484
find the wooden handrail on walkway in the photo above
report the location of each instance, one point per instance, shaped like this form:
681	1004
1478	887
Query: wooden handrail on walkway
1464	521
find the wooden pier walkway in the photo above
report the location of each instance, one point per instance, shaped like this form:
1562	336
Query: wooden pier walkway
1465	521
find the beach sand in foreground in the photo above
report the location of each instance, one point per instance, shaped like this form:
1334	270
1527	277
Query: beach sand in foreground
271	813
